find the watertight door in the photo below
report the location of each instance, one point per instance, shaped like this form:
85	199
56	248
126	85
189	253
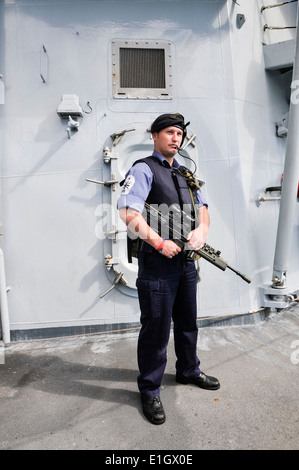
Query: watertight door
121	150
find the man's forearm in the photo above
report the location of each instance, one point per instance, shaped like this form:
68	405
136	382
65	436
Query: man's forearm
204	221
138	226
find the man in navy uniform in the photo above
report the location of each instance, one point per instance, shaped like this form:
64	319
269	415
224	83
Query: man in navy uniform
167	279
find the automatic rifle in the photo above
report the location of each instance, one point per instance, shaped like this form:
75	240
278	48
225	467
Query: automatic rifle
180	237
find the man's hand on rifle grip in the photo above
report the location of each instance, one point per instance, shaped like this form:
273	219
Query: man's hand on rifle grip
170	249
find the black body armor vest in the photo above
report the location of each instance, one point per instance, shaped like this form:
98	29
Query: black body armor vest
169	188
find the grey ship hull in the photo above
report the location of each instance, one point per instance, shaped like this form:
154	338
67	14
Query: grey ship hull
62	242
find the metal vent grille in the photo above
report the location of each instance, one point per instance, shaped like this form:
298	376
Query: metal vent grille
142	68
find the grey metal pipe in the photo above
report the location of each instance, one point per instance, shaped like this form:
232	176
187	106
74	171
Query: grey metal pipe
4	314
3	302
289	186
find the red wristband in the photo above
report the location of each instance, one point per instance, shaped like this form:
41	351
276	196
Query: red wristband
161	246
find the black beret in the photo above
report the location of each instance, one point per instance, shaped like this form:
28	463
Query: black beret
167	120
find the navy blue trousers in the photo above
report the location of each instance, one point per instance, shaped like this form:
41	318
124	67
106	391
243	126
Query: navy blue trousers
166	291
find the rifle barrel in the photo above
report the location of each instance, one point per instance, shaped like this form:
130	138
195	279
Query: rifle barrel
243	276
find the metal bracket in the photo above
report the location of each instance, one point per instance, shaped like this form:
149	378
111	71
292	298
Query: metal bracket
111	182
117	136
107	154
282	126
43	63
190	140
118	278
277	5
111	234
110	261
277	297
261	199
278	27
